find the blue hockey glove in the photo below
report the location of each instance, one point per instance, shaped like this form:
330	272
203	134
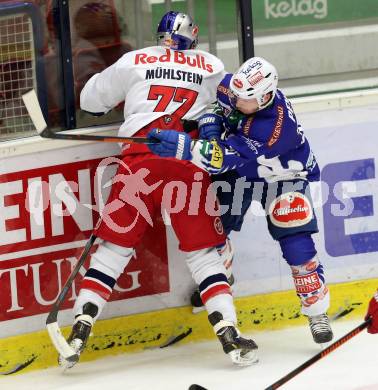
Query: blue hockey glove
210	126
172	144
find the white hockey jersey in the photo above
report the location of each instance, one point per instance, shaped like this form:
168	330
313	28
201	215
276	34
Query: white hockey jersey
153	82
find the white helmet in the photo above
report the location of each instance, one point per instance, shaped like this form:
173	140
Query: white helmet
254	79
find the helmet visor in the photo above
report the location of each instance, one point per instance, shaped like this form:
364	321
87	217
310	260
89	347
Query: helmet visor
232	98
174	41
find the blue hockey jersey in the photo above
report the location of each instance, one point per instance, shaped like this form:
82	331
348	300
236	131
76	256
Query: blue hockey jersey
268	145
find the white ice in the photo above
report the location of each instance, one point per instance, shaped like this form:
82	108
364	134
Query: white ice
353	366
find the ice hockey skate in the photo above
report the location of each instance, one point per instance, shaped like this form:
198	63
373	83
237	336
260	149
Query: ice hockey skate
80	332
242	351
320	328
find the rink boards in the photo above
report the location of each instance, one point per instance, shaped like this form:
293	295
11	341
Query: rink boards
45	185
163	328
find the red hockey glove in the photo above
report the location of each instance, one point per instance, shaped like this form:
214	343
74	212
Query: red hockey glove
373	313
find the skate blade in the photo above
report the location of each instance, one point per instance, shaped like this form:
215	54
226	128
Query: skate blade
246	360
65	364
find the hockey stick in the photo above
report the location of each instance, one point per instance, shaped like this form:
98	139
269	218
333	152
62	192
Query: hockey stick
52	325
19	366
176	339
310	361
32	105
320	355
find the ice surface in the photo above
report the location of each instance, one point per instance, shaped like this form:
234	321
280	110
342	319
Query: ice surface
353	366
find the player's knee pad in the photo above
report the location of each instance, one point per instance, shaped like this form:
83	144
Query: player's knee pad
208	272
111	259
107	264
310	286
308	274
298	248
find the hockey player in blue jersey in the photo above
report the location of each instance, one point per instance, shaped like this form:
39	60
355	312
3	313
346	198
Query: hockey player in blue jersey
253	142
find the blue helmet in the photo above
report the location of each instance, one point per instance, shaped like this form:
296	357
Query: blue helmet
177	31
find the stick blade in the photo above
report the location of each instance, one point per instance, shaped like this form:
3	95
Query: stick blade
60	344
19	366
32	105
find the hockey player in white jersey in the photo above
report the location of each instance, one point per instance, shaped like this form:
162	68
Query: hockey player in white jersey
158	81
161	86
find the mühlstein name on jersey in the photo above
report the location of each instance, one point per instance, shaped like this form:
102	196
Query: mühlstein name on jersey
174	74
178	57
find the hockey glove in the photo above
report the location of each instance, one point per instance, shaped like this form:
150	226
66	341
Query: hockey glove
210	126
373	313
172	144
